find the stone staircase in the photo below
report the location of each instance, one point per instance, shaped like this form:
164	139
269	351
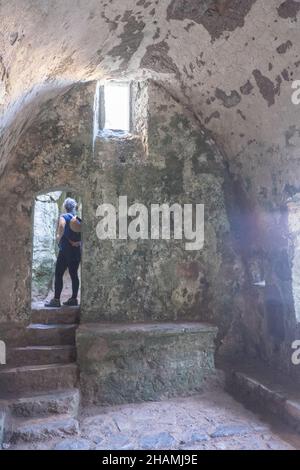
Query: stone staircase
38	384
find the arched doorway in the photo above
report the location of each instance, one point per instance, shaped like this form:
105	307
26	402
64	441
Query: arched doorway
48	206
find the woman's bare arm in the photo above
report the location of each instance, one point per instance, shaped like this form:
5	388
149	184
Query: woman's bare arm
60	229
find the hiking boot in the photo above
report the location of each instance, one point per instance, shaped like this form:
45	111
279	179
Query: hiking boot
71	302
53	303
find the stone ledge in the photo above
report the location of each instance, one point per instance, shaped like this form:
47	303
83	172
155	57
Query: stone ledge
123	363
265	391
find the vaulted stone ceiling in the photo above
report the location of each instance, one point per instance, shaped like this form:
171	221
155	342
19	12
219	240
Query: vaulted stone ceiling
231	61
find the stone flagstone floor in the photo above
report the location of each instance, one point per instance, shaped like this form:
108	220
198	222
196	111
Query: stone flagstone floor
211	420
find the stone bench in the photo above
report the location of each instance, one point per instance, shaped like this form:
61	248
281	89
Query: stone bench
123	363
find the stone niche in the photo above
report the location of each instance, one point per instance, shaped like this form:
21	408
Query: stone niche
167	158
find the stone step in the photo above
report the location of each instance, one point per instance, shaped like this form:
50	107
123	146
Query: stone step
50	335
53	403
48	316
23	380
265	391
42	429
39	355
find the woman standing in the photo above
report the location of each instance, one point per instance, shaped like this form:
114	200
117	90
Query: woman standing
69	241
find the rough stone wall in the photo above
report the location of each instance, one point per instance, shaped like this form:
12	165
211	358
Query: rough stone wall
232	64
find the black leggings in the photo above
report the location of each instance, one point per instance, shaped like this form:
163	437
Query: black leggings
63	262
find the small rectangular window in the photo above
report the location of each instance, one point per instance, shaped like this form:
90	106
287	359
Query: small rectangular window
116	112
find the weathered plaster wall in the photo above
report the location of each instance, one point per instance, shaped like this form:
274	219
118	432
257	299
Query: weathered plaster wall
232	62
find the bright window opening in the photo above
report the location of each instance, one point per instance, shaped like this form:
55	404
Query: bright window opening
116	106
